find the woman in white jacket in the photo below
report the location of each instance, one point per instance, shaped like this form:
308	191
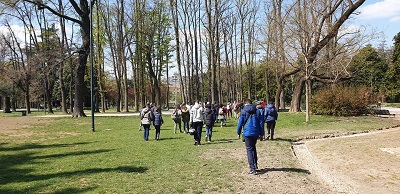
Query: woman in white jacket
196	121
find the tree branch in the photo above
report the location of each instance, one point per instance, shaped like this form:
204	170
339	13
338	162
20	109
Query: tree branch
334	30
40	4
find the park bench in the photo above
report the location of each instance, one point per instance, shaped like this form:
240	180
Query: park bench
23	112
381	112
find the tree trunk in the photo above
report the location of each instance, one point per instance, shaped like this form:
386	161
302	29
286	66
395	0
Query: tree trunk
279	90
295	105
7	105
308	86
80	86
266	87
27	99
48	88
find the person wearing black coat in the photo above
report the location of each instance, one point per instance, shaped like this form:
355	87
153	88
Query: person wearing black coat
210	119
158	121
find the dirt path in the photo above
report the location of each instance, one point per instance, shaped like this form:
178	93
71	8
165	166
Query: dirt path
363	163
18	126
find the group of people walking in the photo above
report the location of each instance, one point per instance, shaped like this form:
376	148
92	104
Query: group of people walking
251	122
196	116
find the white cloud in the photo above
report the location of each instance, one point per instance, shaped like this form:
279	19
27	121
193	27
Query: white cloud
350	29
395	19
18	31
382	9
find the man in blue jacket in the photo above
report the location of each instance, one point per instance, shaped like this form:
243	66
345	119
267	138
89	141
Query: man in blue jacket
271	115
252	123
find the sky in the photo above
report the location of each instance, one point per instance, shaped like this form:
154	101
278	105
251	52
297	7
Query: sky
380	16
383	16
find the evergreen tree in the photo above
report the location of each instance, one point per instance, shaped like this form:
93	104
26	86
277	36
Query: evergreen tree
368	69
392	78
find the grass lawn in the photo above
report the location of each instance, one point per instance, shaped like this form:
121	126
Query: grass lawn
62	155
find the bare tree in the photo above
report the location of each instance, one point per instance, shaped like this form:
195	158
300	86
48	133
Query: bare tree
317	23
83	11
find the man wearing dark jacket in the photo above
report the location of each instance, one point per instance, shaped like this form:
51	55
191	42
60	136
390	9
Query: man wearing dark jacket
210	119
251	121
271	115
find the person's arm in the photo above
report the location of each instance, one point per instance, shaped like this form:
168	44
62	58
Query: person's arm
262	131
239	127
191	118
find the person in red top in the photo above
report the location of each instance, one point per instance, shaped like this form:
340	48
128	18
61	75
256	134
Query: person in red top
262	103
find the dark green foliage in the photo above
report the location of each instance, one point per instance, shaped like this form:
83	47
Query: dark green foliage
396	51
392	78
341	101
368	69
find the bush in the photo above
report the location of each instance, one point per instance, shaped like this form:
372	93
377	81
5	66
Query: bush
341	101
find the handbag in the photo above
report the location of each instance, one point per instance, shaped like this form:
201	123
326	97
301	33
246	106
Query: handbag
192	131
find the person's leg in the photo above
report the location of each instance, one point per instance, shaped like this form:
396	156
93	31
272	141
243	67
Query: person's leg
198	126
250	149
185	127
273	123
210	134
146	132
180	126
269	129
255	157
195	134
175	126
157	132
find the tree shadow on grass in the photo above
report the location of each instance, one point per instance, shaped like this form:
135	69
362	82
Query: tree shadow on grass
37	189
24	177
38	146
169	138
297	170
218	141
19	167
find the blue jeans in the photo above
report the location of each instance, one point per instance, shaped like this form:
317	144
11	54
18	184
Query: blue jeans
209	132
251	149
186	126
146	132
199	127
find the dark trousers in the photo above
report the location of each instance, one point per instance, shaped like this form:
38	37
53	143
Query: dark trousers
146	132
158	129
199	127
271	128
251	149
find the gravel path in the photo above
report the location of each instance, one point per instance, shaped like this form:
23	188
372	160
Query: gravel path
334	182
358	163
